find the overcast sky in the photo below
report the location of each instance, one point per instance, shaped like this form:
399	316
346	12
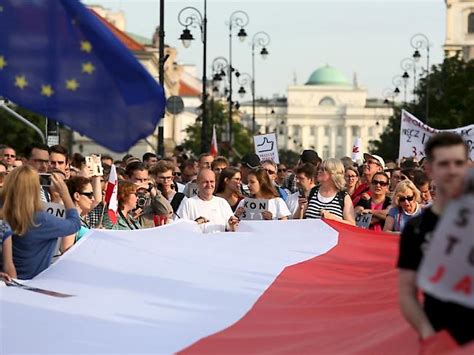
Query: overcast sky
369	38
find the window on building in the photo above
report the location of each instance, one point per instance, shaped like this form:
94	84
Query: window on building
355	131
326	131
470	23
296	131
313	130
325	152
339	131
339	151
327	101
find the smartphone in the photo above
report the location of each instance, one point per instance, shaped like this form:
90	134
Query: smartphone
301	192
45	180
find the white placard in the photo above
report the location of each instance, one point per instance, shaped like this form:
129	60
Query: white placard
56	209
191	189
266	147
363	220
414	134
253	208
357	149
447	269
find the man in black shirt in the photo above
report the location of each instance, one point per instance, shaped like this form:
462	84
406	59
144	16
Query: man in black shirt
447	164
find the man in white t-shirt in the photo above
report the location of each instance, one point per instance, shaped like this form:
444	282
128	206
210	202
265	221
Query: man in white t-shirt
305	180
211	212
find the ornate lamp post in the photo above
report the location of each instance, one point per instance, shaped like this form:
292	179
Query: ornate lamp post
259	40
241	19
192	17
420	41
398	81
409	64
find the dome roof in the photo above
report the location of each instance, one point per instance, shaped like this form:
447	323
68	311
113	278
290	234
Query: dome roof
327	75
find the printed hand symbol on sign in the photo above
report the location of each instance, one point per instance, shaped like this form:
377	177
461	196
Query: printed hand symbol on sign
355	149
267	146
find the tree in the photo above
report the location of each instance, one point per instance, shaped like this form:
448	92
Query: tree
242	140
15	133
451	103
288	157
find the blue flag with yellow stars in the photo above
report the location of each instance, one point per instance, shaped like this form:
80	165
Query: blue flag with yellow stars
59	60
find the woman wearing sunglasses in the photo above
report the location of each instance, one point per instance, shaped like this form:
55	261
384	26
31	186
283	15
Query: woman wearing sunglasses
377	203
405	206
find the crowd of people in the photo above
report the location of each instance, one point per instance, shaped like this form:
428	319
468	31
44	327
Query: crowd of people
153	191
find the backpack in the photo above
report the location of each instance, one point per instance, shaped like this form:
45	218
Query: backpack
176	201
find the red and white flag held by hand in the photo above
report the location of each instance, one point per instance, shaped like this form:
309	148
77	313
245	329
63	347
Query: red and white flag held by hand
356	150
111	195
214	149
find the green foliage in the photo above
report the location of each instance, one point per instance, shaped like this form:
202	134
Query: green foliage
15	133
288	157
451	104
242	139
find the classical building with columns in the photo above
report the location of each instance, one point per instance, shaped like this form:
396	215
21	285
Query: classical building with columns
459	28
327	113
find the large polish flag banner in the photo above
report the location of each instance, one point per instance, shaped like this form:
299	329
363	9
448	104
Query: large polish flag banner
275	286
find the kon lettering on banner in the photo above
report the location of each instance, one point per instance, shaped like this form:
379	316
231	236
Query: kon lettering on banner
414	134
253	208
447	270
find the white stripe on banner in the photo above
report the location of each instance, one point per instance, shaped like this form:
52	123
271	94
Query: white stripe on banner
156	290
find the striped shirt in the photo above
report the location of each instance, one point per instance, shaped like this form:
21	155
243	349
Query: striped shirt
333	204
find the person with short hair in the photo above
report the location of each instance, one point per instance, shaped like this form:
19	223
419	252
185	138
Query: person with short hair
377	202
228	186
282	174
405	202
106	160
422	183
188	171
329	199
162	173
8	157
307	156
261	187
213	213
127	202
37	156
305	178
447	164
149	159
35	231
271	168
219	164
205	161
58	159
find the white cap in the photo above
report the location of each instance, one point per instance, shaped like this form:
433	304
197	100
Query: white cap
376	157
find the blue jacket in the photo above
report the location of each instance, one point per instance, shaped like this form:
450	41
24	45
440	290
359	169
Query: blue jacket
33	251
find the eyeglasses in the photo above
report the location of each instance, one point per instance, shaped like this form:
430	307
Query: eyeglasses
351	176
371	162
282	170
378	182
406	198
176	174
89	195
165	177
270	172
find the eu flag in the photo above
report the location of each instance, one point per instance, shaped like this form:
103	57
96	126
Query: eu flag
58	59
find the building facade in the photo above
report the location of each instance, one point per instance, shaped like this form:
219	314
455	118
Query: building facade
326	114
459	28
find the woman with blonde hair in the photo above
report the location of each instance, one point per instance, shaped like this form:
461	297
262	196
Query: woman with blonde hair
406	198
329	199
35	232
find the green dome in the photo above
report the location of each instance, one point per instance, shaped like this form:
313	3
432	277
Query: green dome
327	76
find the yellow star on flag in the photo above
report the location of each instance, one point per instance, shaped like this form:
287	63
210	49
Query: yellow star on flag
20	81
86	46
72	84
47	90
3	62
88	68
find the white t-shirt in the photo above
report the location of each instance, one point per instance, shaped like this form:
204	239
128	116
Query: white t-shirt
180	187
217	211
292	203
276	206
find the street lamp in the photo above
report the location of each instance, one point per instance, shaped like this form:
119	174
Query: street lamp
192	17
406	65
259	39
244	79
389	95
420	41
241	19
397	81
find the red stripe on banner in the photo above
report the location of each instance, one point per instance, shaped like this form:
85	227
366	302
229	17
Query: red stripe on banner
345	301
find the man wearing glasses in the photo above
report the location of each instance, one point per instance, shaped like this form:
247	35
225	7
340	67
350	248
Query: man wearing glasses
37	156
8	157
372	164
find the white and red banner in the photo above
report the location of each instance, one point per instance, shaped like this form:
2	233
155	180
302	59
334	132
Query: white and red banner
414	134
214	148
291	287
111	195
357	150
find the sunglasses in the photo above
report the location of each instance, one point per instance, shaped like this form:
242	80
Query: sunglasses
282	170
378	182
270	172
89	195
406	198
176	174
371	162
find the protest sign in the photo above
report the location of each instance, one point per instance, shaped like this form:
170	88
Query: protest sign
56	209
191	189
447	269
363	220
94	165
356	150
253	208
266	147
414	134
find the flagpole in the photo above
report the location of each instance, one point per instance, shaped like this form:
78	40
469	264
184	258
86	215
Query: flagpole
161	74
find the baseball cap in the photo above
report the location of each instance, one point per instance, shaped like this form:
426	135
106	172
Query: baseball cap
251	160
309	156
376	157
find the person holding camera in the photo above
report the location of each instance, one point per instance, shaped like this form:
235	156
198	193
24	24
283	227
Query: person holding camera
162	173
152	208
